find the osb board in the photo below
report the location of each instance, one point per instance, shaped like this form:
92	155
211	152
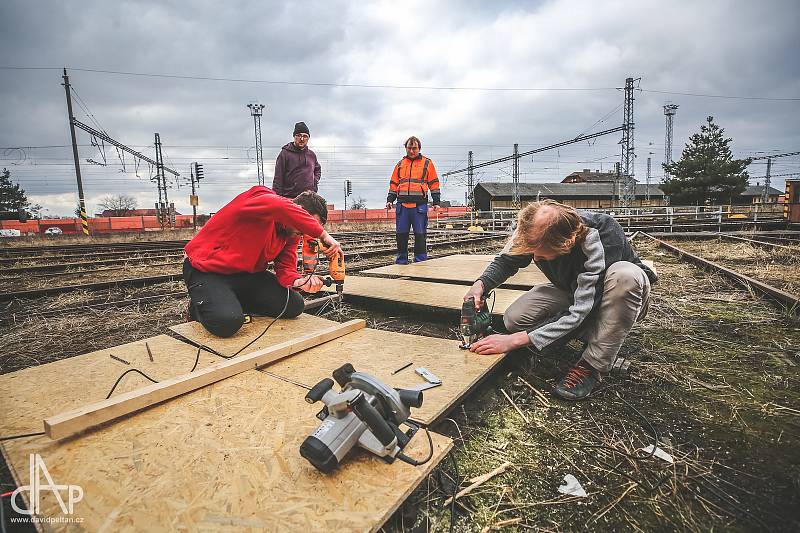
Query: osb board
460	268
435	296
223	458
378	353
32	394
283	330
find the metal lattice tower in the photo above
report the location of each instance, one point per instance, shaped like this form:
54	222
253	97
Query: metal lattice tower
470	182
515	203
767	184
628	149
669	113
647	180
255	111
161	182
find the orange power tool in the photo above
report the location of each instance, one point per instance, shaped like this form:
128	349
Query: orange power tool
310	260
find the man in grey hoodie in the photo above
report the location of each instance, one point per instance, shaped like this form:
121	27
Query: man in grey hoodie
598	289
296	169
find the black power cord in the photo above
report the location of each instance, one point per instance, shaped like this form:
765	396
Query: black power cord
202	347
413	462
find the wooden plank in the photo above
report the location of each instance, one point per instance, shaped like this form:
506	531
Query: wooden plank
432	296
461	269
27	400
283	330
222	458
77	420
379	353
373	351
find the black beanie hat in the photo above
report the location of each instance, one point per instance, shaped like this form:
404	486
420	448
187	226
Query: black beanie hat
301	127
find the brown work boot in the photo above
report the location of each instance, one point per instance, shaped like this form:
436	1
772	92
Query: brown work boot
578	383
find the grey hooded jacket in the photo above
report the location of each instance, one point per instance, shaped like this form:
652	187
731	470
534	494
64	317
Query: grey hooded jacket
580	273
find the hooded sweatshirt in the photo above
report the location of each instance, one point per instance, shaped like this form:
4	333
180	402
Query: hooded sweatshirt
581	272
251	231
296	171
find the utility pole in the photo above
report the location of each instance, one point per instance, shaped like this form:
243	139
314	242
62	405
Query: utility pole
255	111
81	199
669	114
765	196
647	182
162	207
769	158
470	199
628	147
515	203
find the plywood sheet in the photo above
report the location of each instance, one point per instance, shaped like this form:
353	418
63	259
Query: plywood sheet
35	393
224	458
433	296
460	268
283	330
379	352
374	352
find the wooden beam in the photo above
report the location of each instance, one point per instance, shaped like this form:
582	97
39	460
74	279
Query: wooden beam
77	420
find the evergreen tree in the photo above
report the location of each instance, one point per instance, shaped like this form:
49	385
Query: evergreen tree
12	196
707	170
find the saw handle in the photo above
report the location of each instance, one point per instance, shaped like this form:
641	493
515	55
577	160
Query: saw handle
373	419
318	391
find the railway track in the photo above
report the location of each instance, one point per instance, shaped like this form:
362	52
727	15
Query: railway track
356	263
789	301
63	269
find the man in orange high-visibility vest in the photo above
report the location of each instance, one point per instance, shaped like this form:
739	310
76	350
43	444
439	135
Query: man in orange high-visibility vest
412	178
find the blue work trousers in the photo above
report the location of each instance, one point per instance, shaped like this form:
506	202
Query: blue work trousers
405	219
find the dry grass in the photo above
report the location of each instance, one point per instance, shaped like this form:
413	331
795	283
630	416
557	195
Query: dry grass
779	267
715	374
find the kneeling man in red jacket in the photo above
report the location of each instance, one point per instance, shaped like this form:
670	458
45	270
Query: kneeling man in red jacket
226	262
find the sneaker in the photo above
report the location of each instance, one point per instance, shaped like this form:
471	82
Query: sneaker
578	383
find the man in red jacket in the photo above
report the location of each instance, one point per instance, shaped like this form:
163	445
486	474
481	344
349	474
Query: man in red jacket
226	262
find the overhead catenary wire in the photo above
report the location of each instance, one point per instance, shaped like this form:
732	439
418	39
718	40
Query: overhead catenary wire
391	86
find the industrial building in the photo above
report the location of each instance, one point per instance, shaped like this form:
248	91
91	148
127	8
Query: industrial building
586	195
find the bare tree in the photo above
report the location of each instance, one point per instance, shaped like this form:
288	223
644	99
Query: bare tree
120	205
361	203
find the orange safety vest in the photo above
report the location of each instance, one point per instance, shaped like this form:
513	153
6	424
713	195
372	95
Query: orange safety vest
411	180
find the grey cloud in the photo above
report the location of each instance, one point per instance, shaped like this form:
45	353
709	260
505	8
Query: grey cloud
731	48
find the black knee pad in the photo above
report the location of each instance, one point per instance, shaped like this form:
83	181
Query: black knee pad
295	306
223	326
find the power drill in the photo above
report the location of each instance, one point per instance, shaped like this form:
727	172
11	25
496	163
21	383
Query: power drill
310	260
475	324
366	412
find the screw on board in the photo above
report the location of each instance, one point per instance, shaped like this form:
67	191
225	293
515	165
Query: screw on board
149	353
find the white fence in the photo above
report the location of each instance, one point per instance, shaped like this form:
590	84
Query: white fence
666	218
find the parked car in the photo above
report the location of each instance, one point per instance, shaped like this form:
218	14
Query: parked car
53	231
10	233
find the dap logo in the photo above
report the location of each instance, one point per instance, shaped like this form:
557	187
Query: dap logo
37	469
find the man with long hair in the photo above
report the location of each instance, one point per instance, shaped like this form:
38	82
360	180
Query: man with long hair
598	289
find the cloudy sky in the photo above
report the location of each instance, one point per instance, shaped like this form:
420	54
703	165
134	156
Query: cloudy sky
461	75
